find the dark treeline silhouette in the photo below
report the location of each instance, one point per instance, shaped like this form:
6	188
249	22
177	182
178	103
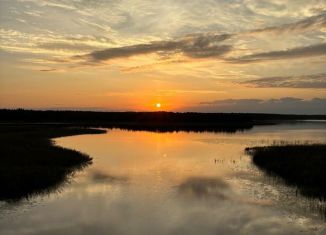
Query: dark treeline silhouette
152	121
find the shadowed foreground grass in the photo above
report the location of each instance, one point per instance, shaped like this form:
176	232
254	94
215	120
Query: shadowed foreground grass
300	165
32	164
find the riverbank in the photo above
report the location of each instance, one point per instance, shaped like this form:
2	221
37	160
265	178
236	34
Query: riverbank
31	163
299	165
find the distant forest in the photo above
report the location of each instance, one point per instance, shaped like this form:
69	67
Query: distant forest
159	121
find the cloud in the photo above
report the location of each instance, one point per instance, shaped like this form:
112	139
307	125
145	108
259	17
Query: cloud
285	8
194	46
70	46
285	105
99	30
308	24
47	70
204	45
302	81
293	53
50	43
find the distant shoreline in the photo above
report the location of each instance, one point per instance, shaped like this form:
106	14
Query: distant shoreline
151	121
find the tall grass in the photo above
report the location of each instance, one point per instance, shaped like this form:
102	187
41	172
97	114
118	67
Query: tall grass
302	165
32	164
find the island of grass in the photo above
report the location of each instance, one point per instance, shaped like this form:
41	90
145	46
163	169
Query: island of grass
31	163
299	165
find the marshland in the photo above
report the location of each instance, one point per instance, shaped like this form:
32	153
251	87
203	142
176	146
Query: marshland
299	165
31	163
94	178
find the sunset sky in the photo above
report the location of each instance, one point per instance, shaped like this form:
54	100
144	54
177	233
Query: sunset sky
199	55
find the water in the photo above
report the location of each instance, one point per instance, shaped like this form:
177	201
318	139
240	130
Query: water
171	183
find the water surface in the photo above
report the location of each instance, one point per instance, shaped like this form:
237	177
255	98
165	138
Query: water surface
171	183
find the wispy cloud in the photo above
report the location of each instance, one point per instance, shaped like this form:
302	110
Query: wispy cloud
317	81
47	70
285	105
293	53
93	30
195	46
206	45
317	22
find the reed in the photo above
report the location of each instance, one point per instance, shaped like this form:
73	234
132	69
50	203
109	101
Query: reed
31	163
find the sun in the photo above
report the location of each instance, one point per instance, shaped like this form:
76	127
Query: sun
158	105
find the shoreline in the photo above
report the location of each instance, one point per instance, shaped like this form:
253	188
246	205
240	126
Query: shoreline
32	164
298	165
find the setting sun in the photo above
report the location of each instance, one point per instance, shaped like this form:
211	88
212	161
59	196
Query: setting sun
165	115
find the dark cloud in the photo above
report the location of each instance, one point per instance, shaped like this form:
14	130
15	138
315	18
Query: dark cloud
204	45
47	70
311	23
303	81
209	45
285	105
195	45
293	53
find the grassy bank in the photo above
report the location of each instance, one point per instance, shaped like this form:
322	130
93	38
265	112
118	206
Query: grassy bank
31	164
299	165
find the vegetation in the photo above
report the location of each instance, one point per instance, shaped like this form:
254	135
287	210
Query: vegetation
32	164
151	121
300	165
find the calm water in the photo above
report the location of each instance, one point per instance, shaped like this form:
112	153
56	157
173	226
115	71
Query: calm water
171	183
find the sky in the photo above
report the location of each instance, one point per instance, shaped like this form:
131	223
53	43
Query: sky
199	55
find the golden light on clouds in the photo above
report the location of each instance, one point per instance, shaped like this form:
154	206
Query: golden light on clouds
162	55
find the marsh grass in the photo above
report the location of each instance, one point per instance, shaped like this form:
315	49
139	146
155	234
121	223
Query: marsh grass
301	165
31	163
